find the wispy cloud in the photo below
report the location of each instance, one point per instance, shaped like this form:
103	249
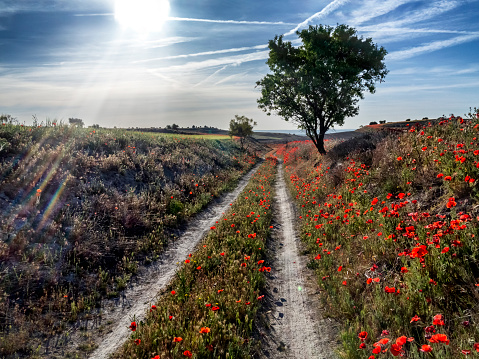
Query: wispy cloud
239	22
205	53
374	8
188	19
211	63
332	6
433	46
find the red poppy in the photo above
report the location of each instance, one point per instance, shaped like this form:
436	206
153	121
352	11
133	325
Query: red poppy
439	338
369	281
390	289
133	326
187	353
173	292
205	330
362	346
438	319
177	339
415	319
426	348
340	268
363	336
396	349
404	270
465	352
401	340
137	341
215	308
419	252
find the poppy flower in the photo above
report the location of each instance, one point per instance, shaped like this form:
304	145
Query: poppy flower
363	336
438	319
340	268
137	341
377	349
465	352
177	339
476	346
362	346
390	289
439	338
404	270
133	326
426	348
401	340
205	330
187	353
415	319
369	281
396	349
215	308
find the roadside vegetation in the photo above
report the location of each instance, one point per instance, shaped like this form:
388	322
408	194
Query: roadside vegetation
81	209
208	310
390	224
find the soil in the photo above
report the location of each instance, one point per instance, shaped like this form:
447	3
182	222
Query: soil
294	325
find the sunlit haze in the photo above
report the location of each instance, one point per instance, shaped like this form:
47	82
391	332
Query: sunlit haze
150	63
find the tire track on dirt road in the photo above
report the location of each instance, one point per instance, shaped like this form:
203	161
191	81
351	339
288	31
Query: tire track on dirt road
140	296
296	327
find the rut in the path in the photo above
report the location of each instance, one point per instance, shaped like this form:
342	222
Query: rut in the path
141	296
297	330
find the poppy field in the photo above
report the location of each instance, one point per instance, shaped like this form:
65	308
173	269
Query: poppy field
209	309
390	225
82	209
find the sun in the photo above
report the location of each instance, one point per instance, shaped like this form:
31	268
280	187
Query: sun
142	16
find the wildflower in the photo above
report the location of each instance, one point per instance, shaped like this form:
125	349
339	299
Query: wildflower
177	339
399	158
153	307
390	289
133	326
187	353
396	349
445	250
137	341
440	175
205	330
215	308
415	319
173	292
369	281
362	346
465	352
401	340
448	178
426	348
438	320
363	335
404	270
340	268
439	338
419	252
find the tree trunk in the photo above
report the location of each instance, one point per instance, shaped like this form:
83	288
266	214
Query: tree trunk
319	143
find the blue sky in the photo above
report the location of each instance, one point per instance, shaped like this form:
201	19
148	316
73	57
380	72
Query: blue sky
197	61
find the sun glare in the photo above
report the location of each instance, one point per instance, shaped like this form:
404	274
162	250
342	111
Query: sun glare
143	16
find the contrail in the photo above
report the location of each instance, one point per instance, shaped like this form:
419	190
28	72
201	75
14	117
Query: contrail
238	22
325	11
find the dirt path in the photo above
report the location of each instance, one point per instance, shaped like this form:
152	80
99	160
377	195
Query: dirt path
296	328
139	297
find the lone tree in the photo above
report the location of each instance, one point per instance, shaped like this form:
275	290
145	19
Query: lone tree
242	127
318	84
76	122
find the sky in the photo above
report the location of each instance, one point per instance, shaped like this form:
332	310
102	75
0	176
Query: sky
150	63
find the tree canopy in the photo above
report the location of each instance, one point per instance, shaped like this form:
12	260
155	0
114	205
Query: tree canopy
318	84
242	127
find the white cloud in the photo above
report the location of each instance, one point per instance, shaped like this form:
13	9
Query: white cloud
433	46
211	63
205	53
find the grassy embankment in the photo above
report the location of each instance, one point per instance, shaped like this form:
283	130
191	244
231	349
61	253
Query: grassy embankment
390	224
82	208
209	308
